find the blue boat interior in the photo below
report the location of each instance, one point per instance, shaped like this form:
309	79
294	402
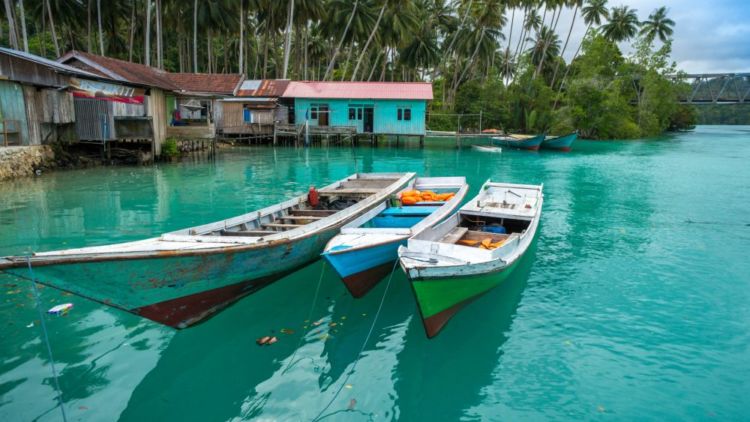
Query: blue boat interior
400	217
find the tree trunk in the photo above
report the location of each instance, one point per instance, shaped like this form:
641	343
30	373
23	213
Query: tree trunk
548	41
565	46
242	37
88	26
329	69
510	37
12	34
288	40
159	44
369	40
132	31
567	69
99	22
147	36
52	28
195	36
23	27
209	51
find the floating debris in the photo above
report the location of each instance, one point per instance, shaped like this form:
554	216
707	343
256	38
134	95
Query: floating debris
13	292
272	340
352	403
60	309
31	324
286	331
262	340
333	324
601	409
349	386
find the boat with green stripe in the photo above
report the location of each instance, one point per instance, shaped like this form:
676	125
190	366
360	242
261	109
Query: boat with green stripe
473	251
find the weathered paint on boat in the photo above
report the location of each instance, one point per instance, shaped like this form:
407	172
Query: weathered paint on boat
183	277
560	143
361	269
513	141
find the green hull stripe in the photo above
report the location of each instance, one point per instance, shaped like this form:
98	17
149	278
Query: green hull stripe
437	295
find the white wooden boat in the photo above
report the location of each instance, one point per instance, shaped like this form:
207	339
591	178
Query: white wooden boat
472	251
179	278
365	250
487	148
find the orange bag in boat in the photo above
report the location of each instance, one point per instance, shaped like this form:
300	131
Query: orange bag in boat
412	192
409	200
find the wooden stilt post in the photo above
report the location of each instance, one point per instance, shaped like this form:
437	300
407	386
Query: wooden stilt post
421	141
458	133
274	134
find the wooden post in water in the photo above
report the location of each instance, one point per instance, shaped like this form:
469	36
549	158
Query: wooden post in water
274	133
480	121
458	133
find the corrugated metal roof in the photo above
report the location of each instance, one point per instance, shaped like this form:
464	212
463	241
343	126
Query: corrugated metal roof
122	70
360	90
263	88
47	62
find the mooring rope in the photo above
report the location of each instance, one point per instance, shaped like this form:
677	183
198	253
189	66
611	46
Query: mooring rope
46	339
362	349
309	315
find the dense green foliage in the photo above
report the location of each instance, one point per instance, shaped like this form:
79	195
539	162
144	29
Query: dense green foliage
723	114
502	59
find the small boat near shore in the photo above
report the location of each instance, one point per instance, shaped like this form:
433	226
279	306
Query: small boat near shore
529	142
365	250
560	143
185	276
471	252
487	148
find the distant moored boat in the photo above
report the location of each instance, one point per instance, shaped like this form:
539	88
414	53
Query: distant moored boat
560	143
530	142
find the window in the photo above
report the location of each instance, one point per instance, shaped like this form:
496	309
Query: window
247	115
359	113
313	112
400	113
352	113
407	114
404	113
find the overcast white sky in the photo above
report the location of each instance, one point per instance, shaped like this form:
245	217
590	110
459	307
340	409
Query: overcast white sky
710	35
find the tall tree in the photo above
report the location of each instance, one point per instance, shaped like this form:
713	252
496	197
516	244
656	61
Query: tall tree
12	34
288	37
147	36
623	24
23	27
195	36
576	5
99	22
336	51
159	40
658	25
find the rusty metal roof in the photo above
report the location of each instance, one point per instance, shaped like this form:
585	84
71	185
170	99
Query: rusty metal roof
360	90
59	67
210	83
263	88
121	70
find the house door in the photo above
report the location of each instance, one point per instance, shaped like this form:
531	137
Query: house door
368	122
323	115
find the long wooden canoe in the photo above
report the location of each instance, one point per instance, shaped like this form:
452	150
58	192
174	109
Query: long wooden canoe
529	142
560	143
366	249
473	251
182	277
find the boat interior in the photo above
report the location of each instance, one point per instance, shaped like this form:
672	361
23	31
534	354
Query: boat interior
397	215
473	230
298	212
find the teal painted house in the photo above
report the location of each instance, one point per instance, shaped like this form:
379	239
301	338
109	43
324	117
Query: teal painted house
381	108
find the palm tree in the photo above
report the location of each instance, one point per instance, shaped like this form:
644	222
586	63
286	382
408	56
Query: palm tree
336	51
288	38
658	25
195	36
23	27
386	3
99	20
147	36
12	34
623	24
557	6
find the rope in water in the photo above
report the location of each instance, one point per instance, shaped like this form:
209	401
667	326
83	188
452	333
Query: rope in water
364	344
309	315
46	339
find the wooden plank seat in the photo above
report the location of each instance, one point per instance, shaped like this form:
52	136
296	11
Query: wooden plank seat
320	213
250	233
454	235
281	225
300	217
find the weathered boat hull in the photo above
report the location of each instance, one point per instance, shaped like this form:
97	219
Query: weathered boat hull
361	269
531	143
560	143
181	291
439	299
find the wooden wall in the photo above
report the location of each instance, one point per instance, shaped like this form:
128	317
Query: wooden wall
157	109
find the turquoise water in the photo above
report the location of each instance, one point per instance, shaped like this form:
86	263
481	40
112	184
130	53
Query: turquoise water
633	304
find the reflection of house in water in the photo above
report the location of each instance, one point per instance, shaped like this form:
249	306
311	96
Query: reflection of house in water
254	111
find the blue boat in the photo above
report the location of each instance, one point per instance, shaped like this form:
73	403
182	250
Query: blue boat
530	142
365	250
560	143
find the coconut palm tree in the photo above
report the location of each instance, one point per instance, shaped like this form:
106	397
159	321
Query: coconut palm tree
12	34
288	37
336	51
623	24
658	25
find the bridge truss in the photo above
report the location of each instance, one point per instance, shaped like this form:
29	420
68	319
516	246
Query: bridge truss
716	88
